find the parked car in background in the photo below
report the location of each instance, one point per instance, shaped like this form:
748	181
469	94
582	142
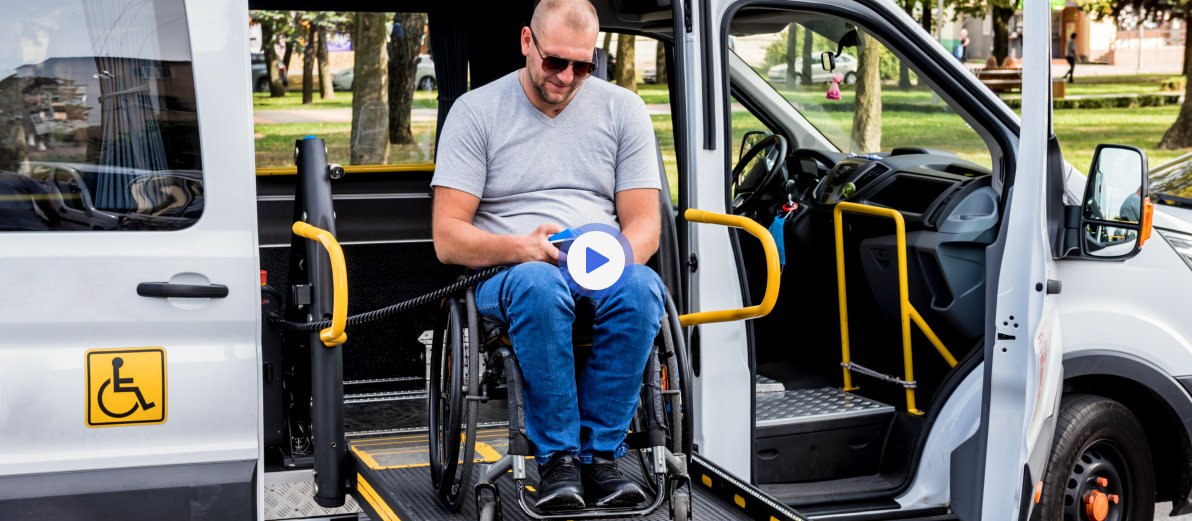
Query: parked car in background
260	73
650	74
846	66
425	74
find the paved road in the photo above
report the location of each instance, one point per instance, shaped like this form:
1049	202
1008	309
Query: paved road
1161	510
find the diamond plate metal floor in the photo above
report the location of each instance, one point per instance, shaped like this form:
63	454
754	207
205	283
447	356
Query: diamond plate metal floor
290	495
811	405
400	470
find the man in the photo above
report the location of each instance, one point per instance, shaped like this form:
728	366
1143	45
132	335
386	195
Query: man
519	160
1070	55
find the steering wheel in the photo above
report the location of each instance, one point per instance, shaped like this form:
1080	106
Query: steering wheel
761	174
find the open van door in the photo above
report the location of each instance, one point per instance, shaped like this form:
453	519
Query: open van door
1023	368
136	334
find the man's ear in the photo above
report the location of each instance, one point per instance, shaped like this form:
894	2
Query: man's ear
526	41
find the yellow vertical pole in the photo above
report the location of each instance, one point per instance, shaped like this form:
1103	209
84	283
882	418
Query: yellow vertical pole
904	305
840	289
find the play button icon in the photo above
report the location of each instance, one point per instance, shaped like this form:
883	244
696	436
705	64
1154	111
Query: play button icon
595	260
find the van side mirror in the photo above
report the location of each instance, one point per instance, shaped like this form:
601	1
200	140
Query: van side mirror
828	61
1115	216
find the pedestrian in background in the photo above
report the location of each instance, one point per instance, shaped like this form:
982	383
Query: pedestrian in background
961	49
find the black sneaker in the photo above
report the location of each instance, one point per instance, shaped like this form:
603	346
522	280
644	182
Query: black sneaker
605	484
559	486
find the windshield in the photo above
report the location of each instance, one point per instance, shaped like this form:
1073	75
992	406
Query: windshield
849	86
1173	178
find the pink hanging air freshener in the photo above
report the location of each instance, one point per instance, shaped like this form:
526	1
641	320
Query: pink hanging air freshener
834	89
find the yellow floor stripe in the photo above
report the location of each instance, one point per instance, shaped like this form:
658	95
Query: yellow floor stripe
377	444
390	445
367	458
424	436
486	452
382	509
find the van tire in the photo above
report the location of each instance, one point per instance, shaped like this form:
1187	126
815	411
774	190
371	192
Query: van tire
1096	437
262	85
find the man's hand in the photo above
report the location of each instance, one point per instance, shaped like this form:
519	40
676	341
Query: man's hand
458	241
536	245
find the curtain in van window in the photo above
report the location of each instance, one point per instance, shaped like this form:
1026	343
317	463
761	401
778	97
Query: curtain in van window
131	139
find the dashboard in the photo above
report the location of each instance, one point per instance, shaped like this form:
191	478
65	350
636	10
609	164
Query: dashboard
921	184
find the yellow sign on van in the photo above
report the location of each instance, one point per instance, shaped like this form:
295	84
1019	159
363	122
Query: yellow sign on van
126	386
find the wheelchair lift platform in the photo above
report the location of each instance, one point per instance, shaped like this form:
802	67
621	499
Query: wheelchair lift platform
393	482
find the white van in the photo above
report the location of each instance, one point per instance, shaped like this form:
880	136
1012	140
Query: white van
142	379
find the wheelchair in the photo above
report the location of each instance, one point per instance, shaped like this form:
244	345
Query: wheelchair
464	373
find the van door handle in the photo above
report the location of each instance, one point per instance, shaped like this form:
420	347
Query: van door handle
167	290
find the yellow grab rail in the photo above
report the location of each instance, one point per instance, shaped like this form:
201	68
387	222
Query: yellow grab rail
907	312
333	335
773	269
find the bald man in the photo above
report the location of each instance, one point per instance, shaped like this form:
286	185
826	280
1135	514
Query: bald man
542	149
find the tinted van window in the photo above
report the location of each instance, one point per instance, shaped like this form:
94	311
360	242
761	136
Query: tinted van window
98	129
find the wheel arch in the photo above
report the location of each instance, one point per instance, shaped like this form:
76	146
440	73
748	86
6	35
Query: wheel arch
1160	402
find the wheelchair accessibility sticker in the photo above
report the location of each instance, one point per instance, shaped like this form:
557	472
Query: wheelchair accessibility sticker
126	386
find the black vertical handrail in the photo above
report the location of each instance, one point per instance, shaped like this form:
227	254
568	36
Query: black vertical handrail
312	205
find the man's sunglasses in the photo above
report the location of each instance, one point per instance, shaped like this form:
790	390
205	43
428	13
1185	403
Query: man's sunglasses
555	65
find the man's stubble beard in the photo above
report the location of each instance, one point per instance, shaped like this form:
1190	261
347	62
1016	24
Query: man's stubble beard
544	95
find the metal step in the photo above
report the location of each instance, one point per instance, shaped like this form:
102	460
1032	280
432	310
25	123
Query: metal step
396	472
813	405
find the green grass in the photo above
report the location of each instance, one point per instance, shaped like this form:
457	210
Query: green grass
342	100
1080	131
275	143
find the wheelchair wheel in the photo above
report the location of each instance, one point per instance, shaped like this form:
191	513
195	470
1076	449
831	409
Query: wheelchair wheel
446	368
453	376
674	382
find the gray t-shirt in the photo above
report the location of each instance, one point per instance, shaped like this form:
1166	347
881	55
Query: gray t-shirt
528	169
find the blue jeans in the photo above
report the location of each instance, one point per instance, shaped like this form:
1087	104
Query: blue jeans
593	415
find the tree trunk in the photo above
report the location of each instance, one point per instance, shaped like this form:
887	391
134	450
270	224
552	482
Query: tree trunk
13	116
325	88
308	66
793	35
403	65
867	118
608	40
370	90
808	62
1001	32
626	74
1187	48
904	73
1180	133
660	63
925	21
291	36
268	46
